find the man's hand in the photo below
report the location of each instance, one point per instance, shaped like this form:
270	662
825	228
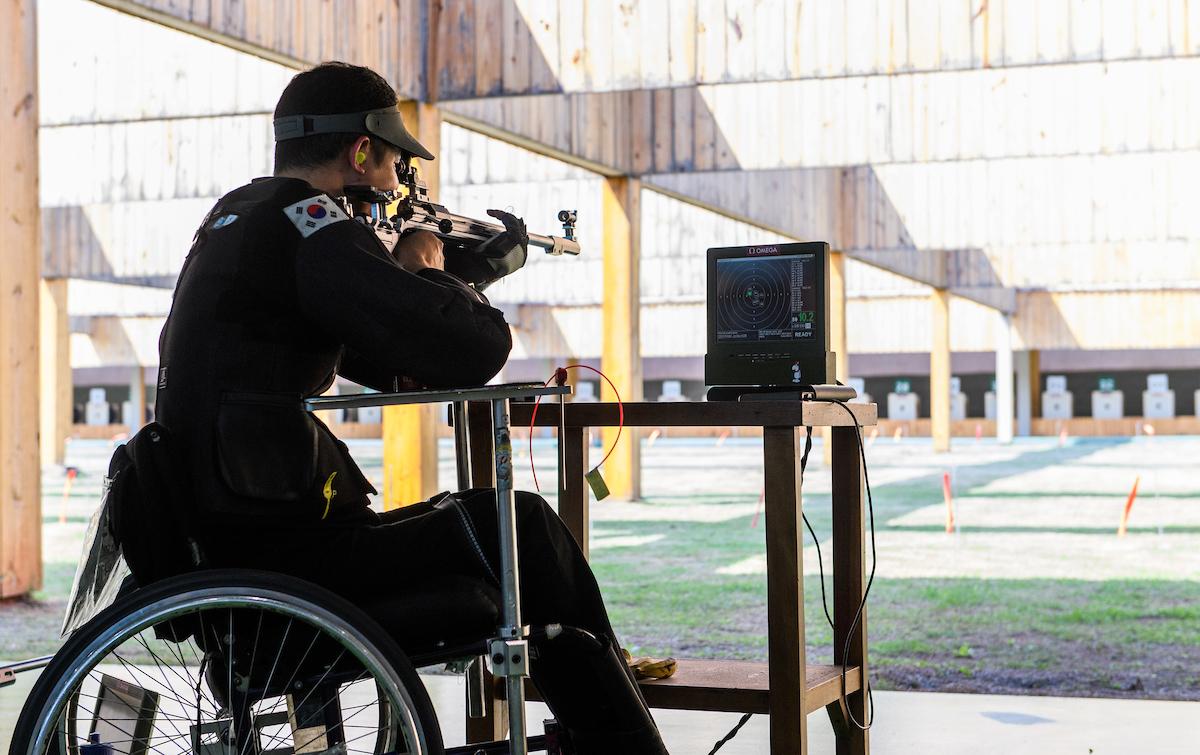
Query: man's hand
418	250
513	226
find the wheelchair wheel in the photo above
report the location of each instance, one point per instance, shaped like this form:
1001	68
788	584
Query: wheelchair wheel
230	662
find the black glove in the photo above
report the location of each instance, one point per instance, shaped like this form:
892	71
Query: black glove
501	255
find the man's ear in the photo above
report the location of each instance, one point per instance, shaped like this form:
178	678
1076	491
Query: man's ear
359	153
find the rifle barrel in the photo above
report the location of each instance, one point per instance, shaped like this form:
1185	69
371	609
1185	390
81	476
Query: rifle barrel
466	228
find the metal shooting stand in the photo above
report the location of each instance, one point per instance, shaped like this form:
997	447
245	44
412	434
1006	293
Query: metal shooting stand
508	650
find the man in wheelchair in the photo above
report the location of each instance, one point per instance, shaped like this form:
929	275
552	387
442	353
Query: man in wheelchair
280	293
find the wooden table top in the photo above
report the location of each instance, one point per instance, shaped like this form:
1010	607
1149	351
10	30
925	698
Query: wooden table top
701	414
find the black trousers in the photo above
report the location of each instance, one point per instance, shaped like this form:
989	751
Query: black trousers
592	695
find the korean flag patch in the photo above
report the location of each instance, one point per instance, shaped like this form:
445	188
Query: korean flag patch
313	214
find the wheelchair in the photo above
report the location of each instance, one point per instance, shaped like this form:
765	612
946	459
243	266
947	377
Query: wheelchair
242	662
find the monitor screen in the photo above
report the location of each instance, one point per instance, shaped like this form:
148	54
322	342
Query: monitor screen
767	298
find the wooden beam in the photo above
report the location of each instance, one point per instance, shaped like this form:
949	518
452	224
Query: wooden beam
20	478
55	366
906	128
939	370
389	37
1003	299
621	358
410	463
798	203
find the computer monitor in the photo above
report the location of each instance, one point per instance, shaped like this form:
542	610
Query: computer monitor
768	316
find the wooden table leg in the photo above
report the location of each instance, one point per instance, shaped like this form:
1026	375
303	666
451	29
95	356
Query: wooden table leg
848	583
785	591
573	503
483	462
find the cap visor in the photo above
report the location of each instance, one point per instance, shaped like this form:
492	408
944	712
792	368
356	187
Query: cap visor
390	127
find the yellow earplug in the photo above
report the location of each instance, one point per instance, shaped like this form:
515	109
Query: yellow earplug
360	157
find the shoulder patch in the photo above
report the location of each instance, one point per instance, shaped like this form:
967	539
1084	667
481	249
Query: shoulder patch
313	214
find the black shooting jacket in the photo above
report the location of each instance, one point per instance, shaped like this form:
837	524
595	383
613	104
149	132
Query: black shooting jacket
280	292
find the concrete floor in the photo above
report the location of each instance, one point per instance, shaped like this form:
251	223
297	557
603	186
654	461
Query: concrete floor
923	722
907	722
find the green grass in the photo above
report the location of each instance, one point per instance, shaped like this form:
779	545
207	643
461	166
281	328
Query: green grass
1130	637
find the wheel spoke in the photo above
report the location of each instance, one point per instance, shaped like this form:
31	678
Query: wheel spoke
327	670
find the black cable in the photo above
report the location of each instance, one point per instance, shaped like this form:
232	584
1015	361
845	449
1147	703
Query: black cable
732	733
820	561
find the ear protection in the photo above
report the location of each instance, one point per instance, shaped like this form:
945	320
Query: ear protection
360	157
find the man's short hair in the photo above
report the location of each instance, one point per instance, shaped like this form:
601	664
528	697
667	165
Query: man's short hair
328	89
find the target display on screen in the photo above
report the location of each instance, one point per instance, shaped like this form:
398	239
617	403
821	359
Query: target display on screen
766	298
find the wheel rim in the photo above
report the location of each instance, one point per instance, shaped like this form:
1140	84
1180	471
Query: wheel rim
348	674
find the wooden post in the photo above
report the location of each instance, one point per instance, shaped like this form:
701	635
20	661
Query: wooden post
1035	383
785	590
1024	394
849	582
837	336
1004	378
410	463
55	366
573	508
20	478
939	371
621	357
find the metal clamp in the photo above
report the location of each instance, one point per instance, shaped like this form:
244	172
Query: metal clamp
509	657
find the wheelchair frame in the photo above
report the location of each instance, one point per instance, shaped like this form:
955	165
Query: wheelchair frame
508	649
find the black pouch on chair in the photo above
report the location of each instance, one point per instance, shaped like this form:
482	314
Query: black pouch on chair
144	515
267	446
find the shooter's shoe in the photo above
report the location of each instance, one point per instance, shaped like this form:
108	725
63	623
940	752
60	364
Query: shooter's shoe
645	667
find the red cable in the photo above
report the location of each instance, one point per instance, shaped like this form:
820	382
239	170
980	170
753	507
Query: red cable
560	377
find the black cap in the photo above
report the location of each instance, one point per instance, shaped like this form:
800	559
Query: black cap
384	123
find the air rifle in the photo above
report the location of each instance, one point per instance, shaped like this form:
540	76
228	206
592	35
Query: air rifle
415	211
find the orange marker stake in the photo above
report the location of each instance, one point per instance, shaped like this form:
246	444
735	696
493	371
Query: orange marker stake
1128	507
72	472
978	432
1062	437
873	436
721	440
653	437
949	502
898	434
757	509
